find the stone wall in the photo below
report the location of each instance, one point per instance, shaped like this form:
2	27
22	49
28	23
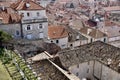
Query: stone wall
13	29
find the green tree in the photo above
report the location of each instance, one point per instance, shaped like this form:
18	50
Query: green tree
4	37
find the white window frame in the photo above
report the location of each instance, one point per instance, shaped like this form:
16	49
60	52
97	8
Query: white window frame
18	33
40	25
28	26
57	41
28	14
29	35
42	35
38	14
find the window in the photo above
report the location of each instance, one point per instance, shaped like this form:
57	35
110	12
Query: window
57	41
77	37
104	39
38	14
77	55
77	74
40	26
41	35
17	33
51	41
71	45
63	45
22	14
28	27
29	36
28	14
78	66
91	40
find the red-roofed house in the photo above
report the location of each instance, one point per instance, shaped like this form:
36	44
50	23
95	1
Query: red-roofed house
34	22
93	34
58	35
10	22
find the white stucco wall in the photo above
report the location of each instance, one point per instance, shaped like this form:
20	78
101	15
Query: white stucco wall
94	39
110	39
33	14
63	42
78	43
96	69
34	20
84	70
11	29
105	73
35	30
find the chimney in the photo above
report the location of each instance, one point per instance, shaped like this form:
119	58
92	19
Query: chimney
27	5
88	31
3	8
77	37
109	62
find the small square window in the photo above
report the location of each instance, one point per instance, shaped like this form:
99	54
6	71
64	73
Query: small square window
63	45
71	45
78	66
28	14
40	26
28	27
77	74
17	33
57	41
22	14
38	14
51	41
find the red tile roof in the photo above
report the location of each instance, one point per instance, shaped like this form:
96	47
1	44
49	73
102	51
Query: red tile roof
56	32
21	5
5	17
6	4
8	16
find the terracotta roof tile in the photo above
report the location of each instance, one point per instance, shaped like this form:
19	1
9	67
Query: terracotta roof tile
21	5
5	17
8	16
6	4
56	32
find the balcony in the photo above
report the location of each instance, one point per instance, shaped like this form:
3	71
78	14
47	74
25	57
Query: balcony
34	20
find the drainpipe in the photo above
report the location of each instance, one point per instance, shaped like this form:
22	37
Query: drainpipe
21	29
